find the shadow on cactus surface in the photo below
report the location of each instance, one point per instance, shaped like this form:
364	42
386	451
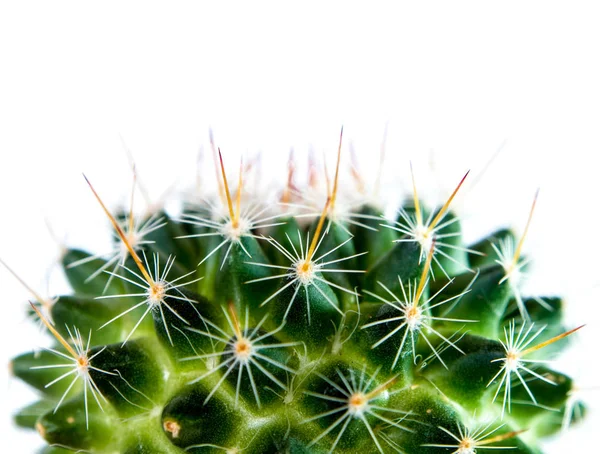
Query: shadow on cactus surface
312	324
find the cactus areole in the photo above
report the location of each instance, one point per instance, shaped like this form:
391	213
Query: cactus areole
308	325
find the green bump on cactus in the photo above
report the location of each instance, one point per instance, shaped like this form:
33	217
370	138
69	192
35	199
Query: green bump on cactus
236	326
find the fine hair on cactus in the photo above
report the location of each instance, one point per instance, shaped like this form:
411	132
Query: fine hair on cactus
305	320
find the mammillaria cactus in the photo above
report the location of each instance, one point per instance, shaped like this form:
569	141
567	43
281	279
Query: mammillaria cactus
238	326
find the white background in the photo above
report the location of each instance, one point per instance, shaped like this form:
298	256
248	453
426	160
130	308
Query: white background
453	80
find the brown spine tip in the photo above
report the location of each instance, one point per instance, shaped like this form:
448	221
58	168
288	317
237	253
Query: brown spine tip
444	208
418	213
315	240
337	171
238	201
122	236
550	341
522	240
54	332
501	437
226	190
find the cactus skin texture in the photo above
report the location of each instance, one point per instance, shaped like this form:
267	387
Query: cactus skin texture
243	327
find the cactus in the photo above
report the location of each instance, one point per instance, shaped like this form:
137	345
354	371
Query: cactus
301	327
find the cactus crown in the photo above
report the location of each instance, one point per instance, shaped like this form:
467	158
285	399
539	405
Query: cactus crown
239	327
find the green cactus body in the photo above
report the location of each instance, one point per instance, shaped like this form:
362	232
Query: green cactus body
236	330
